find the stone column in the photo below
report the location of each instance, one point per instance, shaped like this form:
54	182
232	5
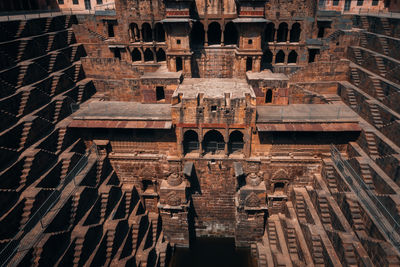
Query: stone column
222	36
205	38
142	54
201	141
226	140
154	55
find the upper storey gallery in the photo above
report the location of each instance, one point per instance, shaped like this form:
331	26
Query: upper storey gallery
254	35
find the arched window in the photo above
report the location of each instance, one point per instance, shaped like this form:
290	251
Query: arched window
266	60
292	58
269	34
235	141
136	56
190	141
282	32
295	33
280	57
268	96
148	55
159	33
249	64
146	33
279	187
160	55
197	35
213	141
230	34
178	63
214	33
134	33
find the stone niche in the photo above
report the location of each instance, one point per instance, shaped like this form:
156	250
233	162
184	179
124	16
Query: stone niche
251	205
173	206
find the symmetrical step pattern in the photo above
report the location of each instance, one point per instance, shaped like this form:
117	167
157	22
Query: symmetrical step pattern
381	65
354	76
352	98
376	115
378	89
372	148
366	175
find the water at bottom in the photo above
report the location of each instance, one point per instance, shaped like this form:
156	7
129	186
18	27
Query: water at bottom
212	252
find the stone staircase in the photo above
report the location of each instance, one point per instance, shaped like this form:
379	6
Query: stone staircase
380	65
358	55
371	143
25	133
354	76
384	45
330	177
363	40
317	251
352	98
291	242
364	23
272	236
22	104
378	89
386	26
301	208
376	115
358	223
366	175
324	211
21	49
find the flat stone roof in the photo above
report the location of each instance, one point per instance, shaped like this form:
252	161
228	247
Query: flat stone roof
266	75
162	73
118	110
214	88
306	113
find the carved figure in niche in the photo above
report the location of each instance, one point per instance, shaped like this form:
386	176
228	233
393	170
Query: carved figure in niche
173	199
252	200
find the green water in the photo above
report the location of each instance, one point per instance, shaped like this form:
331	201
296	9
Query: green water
212	252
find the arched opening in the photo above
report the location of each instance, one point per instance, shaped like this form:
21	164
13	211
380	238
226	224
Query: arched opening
213	141
214	33
148	55
282	32
249	64
230	34
178	63
295	33
279	187
266	60
269	34
190	141
235	141
134	33
159	32
160	55
280	57
292	58
146	32
160	95
197	35
136	56
268	96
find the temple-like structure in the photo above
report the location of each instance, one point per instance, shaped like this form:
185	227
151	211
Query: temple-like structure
132	128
